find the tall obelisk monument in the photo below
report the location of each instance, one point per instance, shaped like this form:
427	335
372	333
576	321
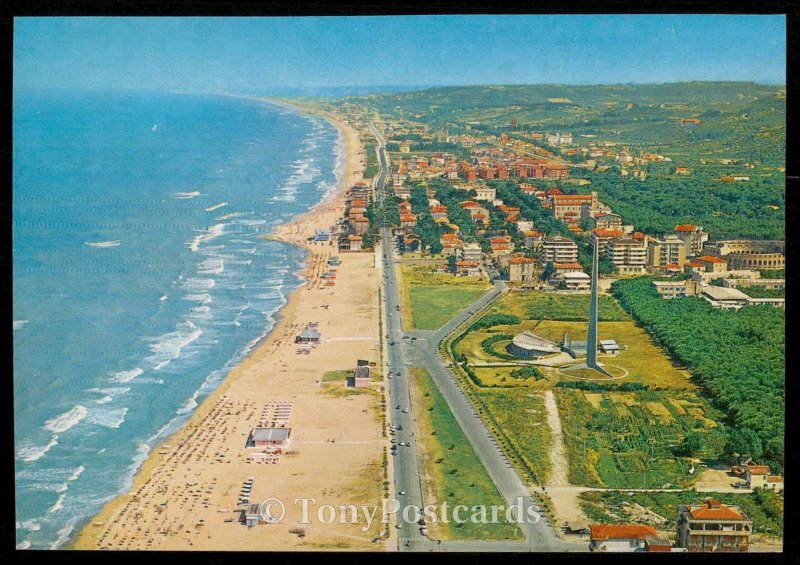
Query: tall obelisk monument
591	344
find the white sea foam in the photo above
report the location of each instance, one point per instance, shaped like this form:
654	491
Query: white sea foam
232	215
19	324
111	391
163	298
65	421
115	243
58	505
76	473
32	453
185	195
30	525
107	417
25	544
214	231
204	297
127	376
104	400
199	284
168	347
216	206
63	533
211	266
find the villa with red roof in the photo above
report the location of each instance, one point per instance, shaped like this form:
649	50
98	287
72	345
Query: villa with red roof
713	527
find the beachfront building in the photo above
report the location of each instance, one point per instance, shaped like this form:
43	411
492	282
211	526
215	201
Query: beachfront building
619	538
310	334
269	437
713	527
356	242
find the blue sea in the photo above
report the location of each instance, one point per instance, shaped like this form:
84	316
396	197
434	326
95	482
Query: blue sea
140	275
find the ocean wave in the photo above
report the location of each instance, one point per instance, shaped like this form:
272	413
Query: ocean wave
33	453
232	215
24	544
214	231
127	376
115	243
185	195
104	400
163	298
58	505
63	533
211	266
77	473
112	391
31	525
203	297
168	347
251	222
47	487
199	284
65	421
216	206
108	418
19	324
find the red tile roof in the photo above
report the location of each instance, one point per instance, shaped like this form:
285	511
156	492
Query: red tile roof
693	264
775	479
355	237
559	266
711	259
758	469
620	531
600	232
685	227
521	260
714	510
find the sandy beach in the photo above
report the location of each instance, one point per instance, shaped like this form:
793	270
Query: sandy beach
186	494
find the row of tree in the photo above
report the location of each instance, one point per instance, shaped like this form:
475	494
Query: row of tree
737	357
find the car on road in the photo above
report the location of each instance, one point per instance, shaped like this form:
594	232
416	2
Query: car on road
400	427
397	408
402	492
391	343
405	410
402	443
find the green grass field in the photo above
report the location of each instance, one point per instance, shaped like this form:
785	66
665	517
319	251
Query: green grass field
764	508
550	306
450	466
522	418
428	299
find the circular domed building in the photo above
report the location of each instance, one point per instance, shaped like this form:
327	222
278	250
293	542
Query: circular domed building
528	344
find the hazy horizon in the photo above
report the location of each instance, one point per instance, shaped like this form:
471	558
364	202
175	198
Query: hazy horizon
370	53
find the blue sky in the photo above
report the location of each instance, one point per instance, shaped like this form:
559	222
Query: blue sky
251	55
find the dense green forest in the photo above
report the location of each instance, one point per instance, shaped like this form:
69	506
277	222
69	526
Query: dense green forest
737	356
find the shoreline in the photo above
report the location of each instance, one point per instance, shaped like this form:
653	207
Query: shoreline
294	232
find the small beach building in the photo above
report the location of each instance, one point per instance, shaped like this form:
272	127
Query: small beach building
309	334
252	515
269	437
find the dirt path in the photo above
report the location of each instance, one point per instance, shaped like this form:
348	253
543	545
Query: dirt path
558	455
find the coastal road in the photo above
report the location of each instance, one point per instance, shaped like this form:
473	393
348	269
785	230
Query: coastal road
403	351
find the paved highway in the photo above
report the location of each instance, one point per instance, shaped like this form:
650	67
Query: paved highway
404	352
